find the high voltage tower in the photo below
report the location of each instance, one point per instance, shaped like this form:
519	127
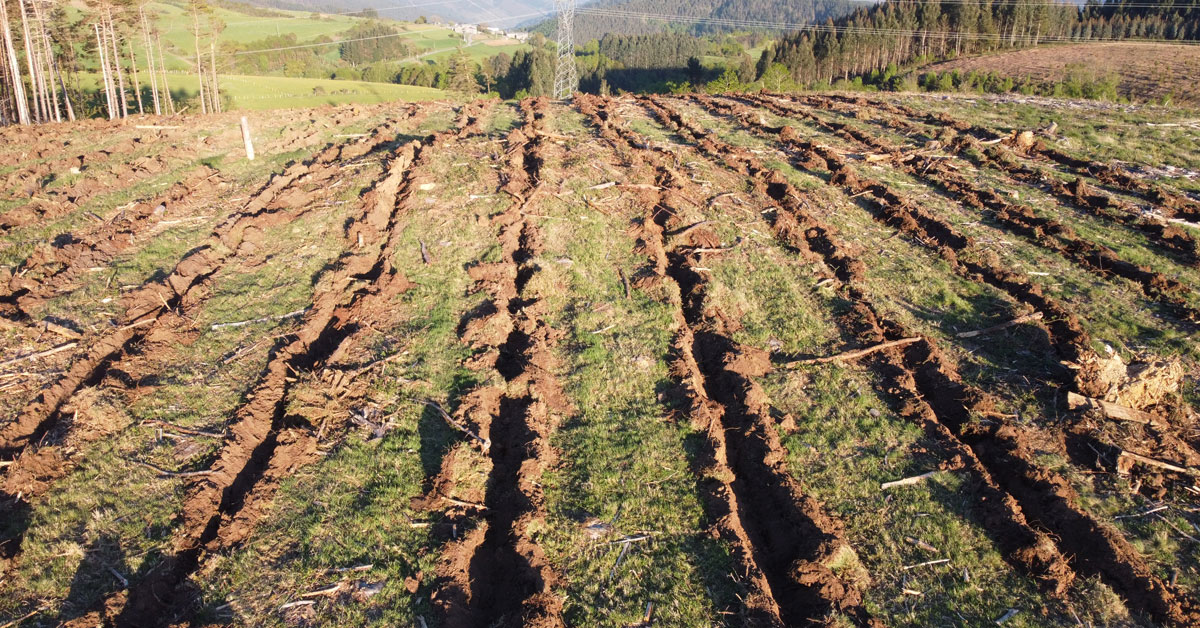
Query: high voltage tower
566	79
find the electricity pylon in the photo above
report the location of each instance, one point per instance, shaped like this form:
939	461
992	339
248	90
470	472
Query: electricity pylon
566	78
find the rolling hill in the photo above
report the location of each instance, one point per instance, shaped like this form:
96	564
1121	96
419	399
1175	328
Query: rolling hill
702	16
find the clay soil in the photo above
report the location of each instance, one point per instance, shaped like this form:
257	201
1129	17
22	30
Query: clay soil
391	424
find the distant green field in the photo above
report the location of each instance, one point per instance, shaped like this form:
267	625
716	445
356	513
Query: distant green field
174	22
276	92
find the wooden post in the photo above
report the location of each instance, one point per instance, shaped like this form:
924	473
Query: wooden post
246	138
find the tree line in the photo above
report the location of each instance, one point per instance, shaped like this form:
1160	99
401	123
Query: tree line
897	33
46	45
711	14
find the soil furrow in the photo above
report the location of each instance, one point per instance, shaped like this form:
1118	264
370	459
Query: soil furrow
151	317
931	392
1089	374
498	573
236	235
1088	199
1045	232
264	444
104	168
52	269
1171	203
796	227
784	541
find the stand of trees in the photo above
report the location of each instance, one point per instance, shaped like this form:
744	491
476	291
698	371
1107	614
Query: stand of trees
42	53
897	33
596	25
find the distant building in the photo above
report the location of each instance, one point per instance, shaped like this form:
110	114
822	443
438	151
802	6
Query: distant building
466	29
518	36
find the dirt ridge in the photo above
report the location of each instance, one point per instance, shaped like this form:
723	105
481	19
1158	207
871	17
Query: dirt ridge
263	444
236	234
1089	199
150	315
498	573
1002	451
1172	204
783	539
1021	219
796	227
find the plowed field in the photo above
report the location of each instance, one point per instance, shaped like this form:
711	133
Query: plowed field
746	360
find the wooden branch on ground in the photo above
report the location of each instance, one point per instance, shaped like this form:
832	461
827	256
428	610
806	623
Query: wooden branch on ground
484	443
1113	411
908	481
854	355
65	332
14	622
259	320
1016	321
638	186
326	591
1154	463
41	354
184	430
688	229
926	564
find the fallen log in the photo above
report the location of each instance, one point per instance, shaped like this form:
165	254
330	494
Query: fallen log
1113	411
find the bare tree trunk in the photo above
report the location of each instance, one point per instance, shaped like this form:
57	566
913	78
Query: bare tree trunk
39	78
199	62
37	103
162	66
137	88
116	61
216	93
43	88
150	59
51	62
66	96
109	96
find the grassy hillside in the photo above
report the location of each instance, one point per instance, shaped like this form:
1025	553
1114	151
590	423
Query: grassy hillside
283	92
174	23
674	361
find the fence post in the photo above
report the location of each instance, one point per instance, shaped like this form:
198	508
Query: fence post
246	137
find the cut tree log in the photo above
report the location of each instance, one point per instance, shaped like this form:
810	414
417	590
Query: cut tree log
1113	411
